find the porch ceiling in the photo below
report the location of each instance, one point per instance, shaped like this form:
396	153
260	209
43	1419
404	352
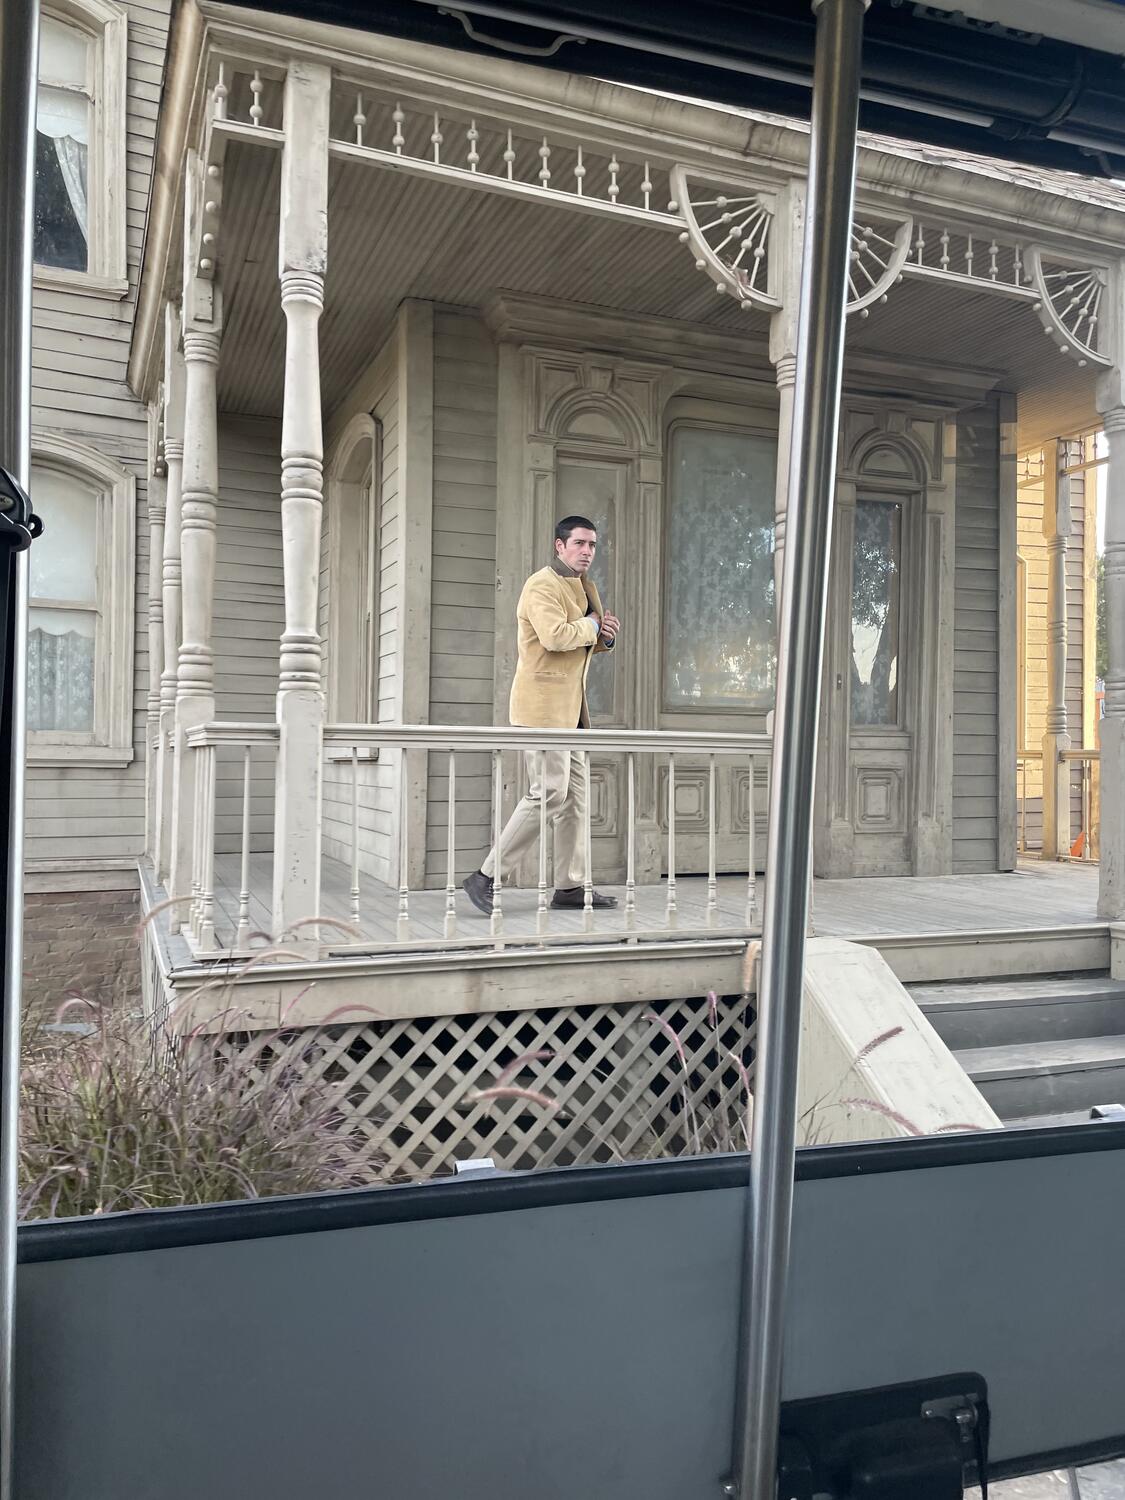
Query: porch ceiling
395	236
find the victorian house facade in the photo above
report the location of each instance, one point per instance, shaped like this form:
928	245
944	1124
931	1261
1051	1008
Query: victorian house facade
331	328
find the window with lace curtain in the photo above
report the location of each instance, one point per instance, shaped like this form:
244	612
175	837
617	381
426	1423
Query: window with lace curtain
80	606
80	147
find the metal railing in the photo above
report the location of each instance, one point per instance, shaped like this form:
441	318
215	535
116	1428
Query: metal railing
371	820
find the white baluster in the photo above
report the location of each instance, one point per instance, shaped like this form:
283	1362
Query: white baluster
256	110
509	156
436	139
588	851
359	119
219	94
646	187
398	140
207	881
243	934
920	244
631	850
1018	266
712	881
993	262
614	188
473	136
541	910
402	928
969	256
545	158
671	907
496	925
450	928
196	839
579	173
752	853
355	835
945	249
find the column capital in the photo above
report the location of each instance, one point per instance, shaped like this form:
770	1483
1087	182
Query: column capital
201	346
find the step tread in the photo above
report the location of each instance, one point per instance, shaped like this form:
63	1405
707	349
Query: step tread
1029	1059
1045	990
1041	1122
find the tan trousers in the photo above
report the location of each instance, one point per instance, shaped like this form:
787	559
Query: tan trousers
564	789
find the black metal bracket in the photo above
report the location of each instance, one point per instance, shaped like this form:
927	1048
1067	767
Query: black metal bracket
19	525
921	1441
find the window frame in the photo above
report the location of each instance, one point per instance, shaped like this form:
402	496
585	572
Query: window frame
355	591
111	743
106	25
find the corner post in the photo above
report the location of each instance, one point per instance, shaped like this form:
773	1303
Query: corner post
174	380
1111	868
1056	740
302	260
195	678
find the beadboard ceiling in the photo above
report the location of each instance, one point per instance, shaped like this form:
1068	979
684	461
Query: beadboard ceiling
393	236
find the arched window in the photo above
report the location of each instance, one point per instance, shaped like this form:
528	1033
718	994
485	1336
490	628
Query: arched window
80	617
80	146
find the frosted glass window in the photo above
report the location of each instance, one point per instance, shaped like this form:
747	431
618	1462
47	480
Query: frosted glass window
719	615
64	107
62	641
64	559
876	612
593	490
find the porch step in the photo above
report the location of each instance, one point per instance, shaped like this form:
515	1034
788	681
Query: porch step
1045	1008
1024	1079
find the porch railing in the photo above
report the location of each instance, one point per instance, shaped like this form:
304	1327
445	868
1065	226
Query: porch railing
1085	765
376	805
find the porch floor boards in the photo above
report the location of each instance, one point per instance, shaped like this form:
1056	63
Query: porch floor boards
1032	898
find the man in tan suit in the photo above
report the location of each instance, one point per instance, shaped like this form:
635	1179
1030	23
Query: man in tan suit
561	627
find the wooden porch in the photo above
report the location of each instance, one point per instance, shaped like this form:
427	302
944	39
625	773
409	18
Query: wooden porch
1037	900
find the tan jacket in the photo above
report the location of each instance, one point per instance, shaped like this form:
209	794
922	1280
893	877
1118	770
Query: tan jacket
556	640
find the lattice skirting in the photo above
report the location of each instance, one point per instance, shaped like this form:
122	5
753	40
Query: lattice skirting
531	1088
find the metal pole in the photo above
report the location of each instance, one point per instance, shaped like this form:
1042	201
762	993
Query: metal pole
19	50
816	409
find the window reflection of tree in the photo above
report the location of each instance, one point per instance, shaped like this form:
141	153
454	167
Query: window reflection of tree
721	616
875	612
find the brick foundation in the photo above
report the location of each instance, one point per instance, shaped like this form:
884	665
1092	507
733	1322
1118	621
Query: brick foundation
80	943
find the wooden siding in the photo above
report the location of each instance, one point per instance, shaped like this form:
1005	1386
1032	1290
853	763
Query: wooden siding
976	643
249	616
84	821
464	580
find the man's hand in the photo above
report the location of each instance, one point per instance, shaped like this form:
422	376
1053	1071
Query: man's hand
611	628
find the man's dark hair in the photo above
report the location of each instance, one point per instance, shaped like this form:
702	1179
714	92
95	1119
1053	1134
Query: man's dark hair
568	524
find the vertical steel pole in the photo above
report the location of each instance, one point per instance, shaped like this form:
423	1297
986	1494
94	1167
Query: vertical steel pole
820	349
19	47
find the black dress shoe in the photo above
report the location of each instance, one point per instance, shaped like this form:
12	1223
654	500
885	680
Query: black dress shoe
574	898
478	888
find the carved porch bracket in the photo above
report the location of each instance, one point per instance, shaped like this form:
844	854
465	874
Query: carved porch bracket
878	253
730	236
1070	302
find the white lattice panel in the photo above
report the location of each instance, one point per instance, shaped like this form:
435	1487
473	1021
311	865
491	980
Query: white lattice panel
532	1088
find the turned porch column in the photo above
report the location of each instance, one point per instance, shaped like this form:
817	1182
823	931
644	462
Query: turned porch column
1056	740
1111	893
170	584
157	472
195	678
300	699
783	357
